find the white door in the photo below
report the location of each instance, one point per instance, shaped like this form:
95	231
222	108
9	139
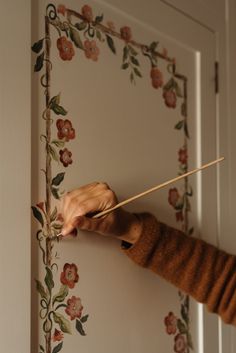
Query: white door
124	93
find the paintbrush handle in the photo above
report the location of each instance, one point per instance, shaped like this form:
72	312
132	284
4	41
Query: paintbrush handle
158	187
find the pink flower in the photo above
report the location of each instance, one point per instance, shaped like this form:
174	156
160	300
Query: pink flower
87	13
74	307
61	9
170	98
69	276
65	157
57	336
65	130
66	49
111	25
126	33
180	344
171	323
173	197
91	50
157	77
179	216
183	155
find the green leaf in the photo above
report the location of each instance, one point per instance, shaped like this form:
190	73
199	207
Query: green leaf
153	46
184	109
58	143
186	129
57	348
81	26
39	62
53	215
189	340
191	230
184	314
98	35
49	279
179	125
99	19
62	322
58	109
41	347
134	60
38	215
40	289
79	328
57	226
125	66
181	326
55	100
84	318
55	193
111	44
58	179
169	85
75	37
133	51
61	295
53	153
37	46
125	53
137	72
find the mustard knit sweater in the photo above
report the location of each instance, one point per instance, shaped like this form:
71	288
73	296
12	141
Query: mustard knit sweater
194	266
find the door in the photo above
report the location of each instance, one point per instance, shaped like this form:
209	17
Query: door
123	92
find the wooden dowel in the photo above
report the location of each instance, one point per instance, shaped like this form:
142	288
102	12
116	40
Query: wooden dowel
158	187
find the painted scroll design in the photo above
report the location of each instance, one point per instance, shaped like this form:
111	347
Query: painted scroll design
83	31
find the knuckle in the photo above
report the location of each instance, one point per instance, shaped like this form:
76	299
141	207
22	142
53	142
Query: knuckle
104	186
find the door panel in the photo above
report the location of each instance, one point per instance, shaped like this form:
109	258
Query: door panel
139	107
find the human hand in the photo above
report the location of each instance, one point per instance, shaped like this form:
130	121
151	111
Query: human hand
79	205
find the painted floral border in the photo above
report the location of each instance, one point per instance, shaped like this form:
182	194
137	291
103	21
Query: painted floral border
86	32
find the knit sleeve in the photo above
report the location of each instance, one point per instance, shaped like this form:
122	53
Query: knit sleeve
192	265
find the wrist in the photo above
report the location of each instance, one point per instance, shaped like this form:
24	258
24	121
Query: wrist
134	229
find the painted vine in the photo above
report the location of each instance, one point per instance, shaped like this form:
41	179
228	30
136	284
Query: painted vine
83	31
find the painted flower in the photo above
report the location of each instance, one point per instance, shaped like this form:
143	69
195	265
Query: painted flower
66	49
170	98
157	77
111	25
69	276
65	157
171	323
183	155
74	307
126	33
180	344
57	336
65	130
61	9
179	216
87	13
91	50
173	197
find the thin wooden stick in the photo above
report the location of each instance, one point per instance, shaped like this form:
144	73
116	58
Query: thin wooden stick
158	187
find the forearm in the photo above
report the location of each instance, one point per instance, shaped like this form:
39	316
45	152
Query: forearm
192	265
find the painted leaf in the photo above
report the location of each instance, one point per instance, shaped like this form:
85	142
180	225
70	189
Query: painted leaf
178	90
58	143
58	179
137	72
84	318
134	60
184	109
99	19
189	340
57	348
61	295
37	46
181	326
55	100
125	53
41	347
39	62
40	289
111	44
179	125
186	129
184	313
75	37
169	85
57	226
79	328
49	279
191	230
55	193
53	215
125	66
38	215
53	153
58	109
133	51
62	322
98	35
153	46
81	26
